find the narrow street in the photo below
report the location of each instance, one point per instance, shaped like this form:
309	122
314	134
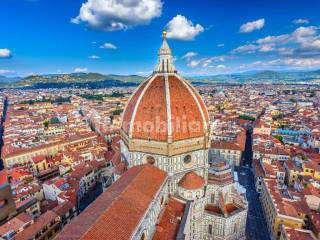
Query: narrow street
90	197
256	224
5	106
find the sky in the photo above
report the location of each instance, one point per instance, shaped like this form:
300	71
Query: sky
123	36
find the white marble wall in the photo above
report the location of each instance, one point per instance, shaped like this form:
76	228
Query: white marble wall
150	219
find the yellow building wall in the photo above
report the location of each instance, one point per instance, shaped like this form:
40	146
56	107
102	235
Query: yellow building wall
316	175
287	222
40	166
308	171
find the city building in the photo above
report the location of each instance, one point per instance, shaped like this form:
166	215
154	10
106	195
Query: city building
282	207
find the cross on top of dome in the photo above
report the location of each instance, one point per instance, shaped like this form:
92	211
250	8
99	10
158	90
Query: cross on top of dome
165	59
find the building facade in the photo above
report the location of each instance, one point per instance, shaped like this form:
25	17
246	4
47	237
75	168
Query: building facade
165	132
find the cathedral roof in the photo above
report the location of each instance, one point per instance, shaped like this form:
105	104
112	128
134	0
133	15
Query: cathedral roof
107	217
165	107
191	181
170	221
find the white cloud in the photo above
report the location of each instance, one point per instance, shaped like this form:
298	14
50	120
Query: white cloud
189	55
315	43
6	71
220	45
144	73
108	46
301	21
274	39
266	48
5	53
81	70
304	35
249	48
194	63
283	63
251	26
110	15
183	29
206	62
94	57
220	67
303	41
296	62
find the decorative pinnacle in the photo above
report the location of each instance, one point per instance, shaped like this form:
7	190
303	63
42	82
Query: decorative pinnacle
164	34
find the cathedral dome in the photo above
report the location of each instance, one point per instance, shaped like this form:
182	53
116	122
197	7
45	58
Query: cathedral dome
191	181
165	107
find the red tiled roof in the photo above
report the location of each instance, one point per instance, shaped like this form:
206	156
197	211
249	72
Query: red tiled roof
127	115
16	174
188	111
15	223
170	221
238	144
298	234
38	159
63	208
191	181
33	229
117	212
120	168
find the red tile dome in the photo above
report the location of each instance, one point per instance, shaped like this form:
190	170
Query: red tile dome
191	181
165	107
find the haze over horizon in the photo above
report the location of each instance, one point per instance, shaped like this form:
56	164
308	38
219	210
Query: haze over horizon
122	37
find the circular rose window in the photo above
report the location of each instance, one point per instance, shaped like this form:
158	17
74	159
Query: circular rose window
150	160
187	161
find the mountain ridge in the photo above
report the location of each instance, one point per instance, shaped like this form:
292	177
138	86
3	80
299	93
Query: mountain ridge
98	79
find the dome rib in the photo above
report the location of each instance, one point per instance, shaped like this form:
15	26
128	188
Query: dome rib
168	105
201	102
130	106
148	123
165	108
140	95
196	99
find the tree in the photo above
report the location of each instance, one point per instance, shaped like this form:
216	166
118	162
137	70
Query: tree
117	112
246	117
54	120
278	116
46	123
279	137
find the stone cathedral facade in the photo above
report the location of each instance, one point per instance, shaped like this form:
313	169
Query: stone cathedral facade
166	124
164	186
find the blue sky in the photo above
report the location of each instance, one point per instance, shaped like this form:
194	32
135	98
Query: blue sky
123	36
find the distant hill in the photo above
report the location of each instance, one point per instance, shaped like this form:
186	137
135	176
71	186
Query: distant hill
262	77
77	79
5	80
97	80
